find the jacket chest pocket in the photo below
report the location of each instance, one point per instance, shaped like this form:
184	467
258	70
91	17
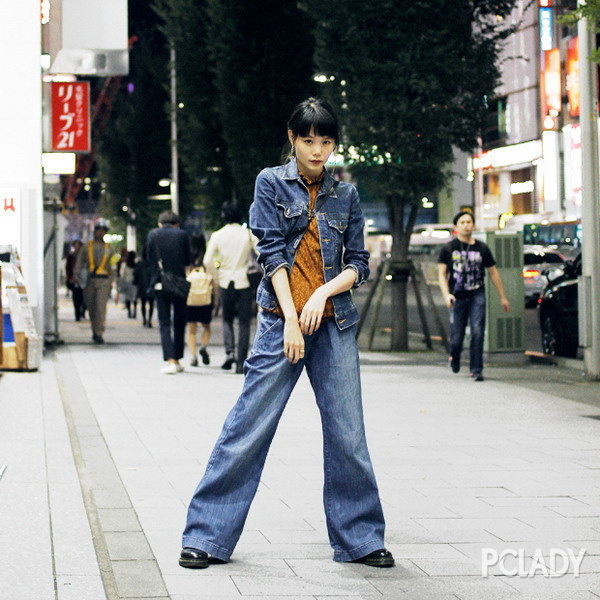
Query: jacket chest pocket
292	216
337	225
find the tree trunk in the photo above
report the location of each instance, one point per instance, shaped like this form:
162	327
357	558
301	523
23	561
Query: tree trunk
401	233
400	315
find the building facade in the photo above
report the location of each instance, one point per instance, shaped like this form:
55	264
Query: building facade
528	166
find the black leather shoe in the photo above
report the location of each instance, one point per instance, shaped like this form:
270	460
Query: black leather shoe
379	558
228	364
98	339
239	368
190	558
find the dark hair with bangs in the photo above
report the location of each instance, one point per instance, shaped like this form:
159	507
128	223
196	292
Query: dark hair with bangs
317	115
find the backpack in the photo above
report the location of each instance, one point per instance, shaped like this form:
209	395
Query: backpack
201	287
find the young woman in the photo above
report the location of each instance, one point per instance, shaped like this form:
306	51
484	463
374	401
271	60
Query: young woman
310	231
199	311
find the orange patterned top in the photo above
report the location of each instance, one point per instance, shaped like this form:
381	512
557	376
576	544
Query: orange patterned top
307	271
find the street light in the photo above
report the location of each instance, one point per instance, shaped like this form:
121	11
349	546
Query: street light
174	156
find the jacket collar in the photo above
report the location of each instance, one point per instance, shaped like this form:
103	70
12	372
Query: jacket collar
291	172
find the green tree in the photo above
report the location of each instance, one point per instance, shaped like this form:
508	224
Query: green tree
261	56
591	11
201	147
411	78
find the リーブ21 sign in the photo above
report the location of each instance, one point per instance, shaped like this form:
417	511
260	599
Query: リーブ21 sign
70	116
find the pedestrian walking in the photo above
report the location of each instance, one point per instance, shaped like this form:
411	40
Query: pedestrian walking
94	273
128	286
230	247
311	247
72	282
171	246
146	297
199	311
462	264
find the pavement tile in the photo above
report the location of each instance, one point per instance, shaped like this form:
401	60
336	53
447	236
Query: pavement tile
201	585
135	578
554	586
592	547
110	498
79	587
578	510
127	545
432	588
317	583
118	519
161	518
443	566
478	508
411	551
198	595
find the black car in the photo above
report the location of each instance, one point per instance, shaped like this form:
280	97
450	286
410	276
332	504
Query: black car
558	314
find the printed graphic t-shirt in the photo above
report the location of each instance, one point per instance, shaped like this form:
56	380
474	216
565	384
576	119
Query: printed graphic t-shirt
466	266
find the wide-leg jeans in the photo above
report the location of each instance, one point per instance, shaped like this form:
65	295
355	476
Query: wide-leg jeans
468	310
221	502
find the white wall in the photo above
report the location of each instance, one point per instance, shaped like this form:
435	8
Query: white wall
21	132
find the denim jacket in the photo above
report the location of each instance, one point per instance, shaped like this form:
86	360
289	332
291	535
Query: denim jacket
279	217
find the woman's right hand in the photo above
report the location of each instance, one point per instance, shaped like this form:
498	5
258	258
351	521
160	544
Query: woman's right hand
293	340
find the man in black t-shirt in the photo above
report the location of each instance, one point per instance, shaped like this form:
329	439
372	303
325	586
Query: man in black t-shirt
461	274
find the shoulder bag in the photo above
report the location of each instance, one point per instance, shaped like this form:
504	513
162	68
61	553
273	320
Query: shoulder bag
168	282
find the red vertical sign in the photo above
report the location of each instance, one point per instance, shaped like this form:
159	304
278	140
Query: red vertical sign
573	76
71	116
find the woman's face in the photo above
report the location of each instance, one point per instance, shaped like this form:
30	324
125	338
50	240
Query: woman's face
312	152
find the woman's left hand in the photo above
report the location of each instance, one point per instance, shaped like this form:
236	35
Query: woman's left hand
310	319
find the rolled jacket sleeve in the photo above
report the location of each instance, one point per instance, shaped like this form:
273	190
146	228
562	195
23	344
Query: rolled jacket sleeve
264	222
356	257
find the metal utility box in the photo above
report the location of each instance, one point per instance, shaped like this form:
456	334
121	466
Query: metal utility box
505	332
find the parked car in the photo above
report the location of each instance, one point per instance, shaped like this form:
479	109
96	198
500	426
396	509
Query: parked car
540	265
558	313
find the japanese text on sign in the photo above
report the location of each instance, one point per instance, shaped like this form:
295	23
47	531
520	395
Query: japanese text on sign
10	216
70	116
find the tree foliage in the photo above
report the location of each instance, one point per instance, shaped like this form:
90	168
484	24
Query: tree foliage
262	63
134	152
201	147
590	11
411	78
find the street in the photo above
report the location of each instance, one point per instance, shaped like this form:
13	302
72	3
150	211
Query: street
103	452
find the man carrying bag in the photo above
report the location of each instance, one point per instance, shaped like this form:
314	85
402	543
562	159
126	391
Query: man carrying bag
168	254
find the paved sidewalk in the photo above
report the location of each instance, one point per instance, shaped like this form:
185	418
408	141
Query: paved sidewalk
102	454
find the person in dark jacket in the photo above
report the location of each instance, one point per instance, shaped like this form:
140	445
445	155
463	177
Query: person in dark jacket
171	245
146	297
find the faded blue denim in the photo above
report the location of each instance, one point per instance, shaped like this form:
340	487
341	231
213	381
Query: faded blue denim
354	517
279	217
468	310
